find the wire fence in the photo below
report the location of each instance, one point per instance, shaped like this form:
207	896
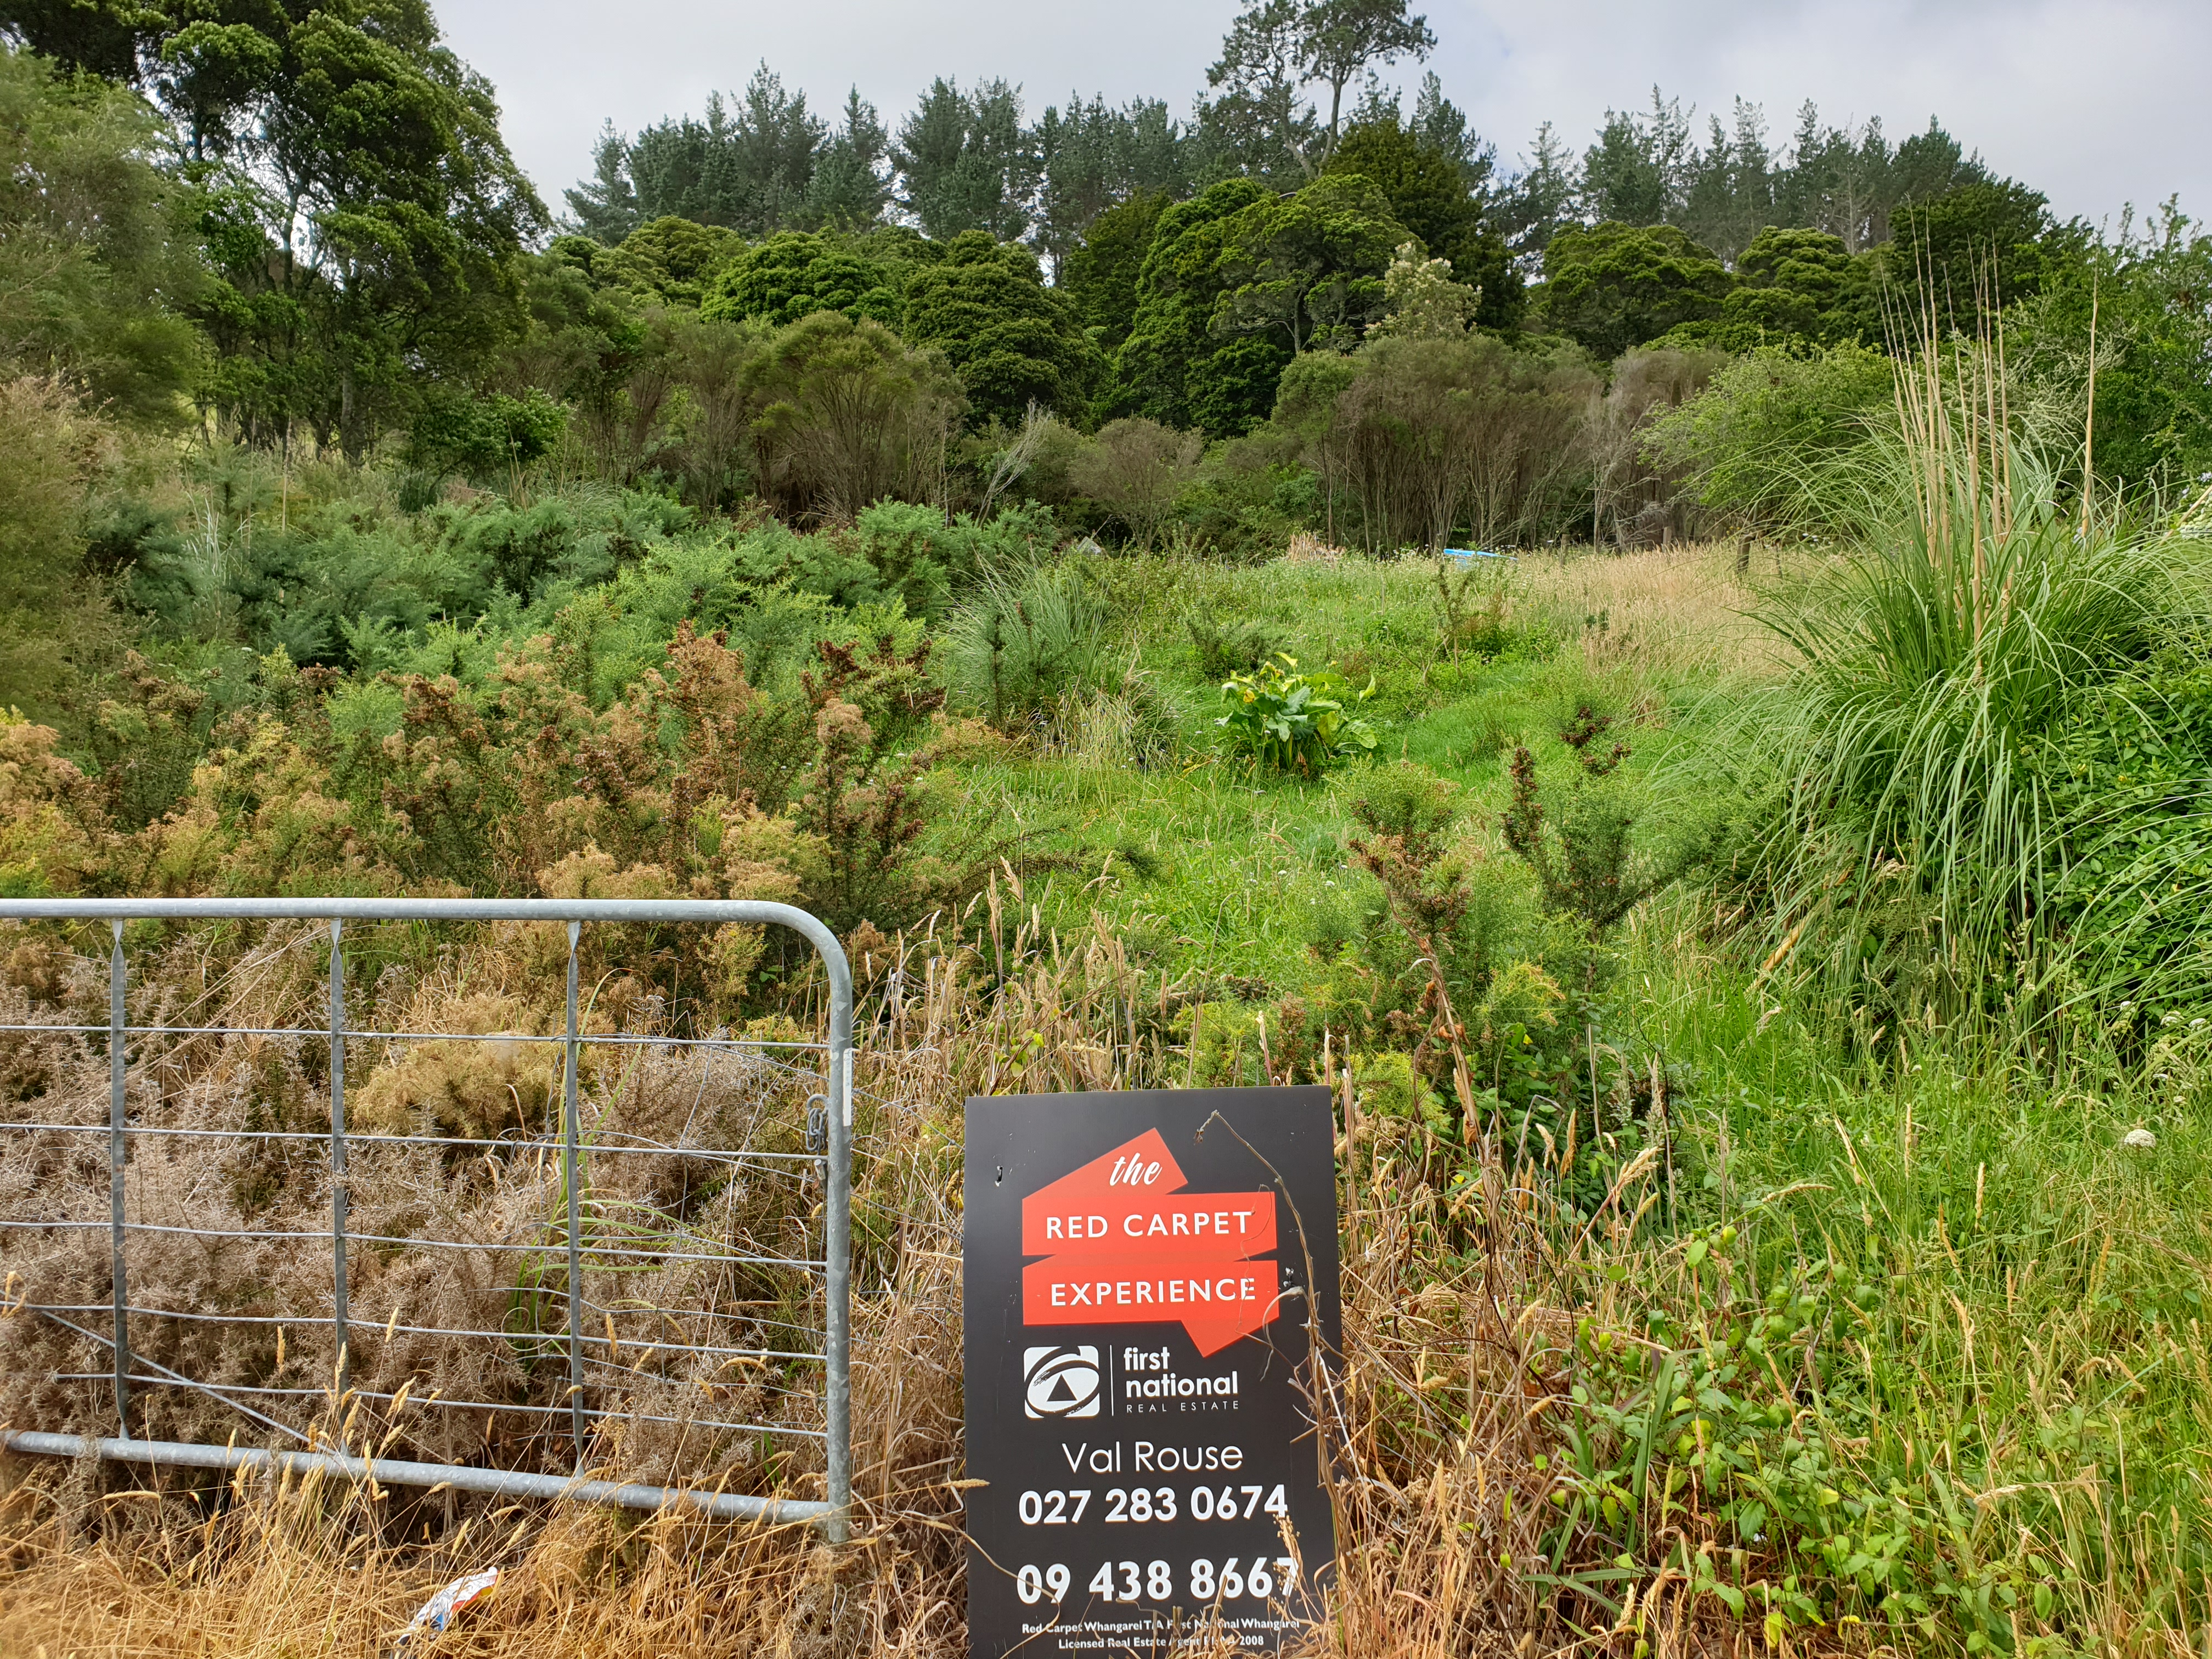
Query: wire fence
646	1274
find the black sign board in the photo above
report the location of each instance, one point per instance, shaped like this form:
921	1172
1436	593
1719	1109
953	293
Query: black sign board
1144	1273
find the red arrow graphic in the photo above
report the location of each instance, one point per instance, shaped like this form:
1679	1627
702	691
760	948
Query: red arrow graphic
1124	1245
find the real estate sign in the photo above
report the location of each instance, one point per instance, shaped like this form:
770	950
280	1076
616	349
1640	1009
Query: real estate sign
1147	1274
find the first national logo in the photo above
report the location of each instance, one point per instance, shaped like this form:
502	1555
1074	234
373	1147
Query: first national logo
1060	1382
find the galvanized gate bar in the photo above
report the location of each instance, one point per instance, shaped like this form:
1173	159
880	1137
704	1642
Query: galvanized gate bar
837	1285
343	1330
117	1157
832	1516
497	1483
571	1132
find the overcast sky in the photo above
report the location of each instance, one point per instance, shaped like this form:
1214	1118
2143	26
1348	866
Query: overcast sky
2095	103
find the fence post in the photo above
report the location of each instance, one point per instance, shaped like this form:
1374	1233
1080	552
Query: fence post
342	1324
570	1134
116	1142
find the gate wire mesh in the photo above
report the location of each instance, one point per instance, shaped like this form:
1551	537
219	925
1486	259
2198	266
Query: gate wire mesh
435	1235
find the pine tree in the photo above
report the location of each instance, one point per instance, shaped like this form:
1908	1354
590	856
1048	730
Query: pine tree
964	163
1730	198
852	186
1258	122
604	207
1093	156
1532	209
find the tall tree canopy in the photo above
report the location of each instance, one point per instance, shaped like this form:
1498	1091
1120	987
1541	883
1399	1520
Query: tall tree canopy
95	255
1093	156
1614	286
757	164
1258	120
1100	273
964	162
748	168
1237	282
1308	269
1260	117
1339	40
363	217
1012	340
1435	195
1974	250
1646	167
1174	367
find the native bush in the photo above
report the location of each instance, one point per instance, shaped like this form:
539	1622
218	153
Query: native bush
1757	442
794	274
1289	721
1025	640
2130	777
483	438
1936	662
47	613
1413	439
1136	468
1225	647
850	415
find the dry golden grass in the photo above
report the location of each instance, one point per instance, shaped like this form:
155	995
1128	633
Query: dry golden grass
1435	1414
1676	610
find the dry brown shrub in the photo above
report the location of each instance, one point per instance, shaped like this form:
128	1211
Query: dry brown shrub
1306	548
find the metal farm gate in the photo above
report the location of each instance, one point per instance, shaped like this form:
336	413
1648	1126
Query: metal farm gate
615	1383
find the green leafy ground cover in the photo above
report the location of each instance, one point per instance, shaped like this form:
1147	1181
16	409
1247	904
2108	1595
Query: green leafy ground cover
1908	1347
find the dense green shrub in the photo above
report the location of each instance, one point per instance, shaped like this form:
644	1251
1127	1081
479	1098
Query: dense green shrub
1023	641
1427	192
1802	285
672	260
1173	366
313	583
1614	286
2130	781
928	560
1761	443
1012	341
1290	720
1100	273
484	437
794	274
